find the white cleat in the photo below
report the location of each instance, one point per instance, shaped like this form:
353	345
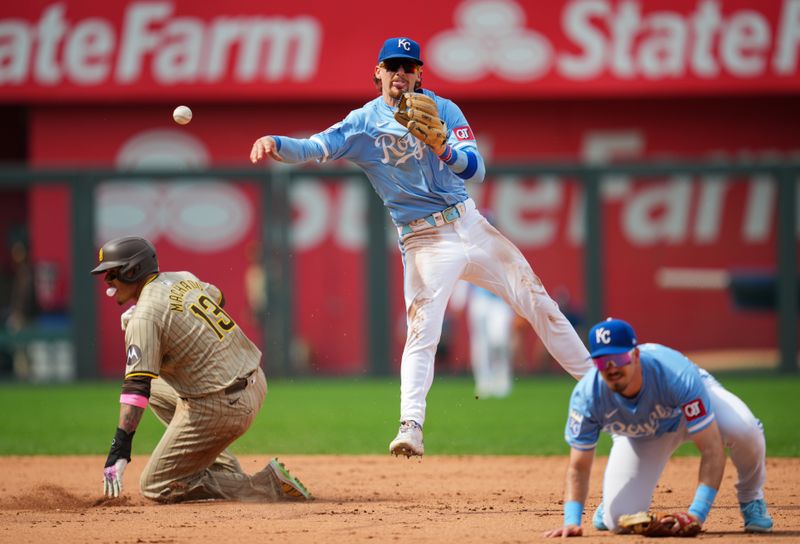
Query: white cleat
408	441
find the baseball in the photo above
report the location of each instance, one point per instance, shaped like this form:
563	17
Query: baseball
182	115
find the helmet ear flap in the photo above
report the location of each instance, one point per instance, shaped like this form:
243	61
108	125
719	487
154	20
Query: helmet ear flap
130	273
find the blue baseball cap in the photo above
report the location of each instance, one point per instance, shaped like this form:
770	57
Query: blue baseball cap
400	48
611	337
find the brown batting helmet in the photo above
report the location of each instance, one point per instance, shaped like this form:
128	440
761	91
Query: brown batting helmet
134	256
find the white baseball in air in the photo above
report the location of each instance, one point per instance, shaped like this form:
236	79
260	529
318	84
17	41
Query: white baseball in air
182	115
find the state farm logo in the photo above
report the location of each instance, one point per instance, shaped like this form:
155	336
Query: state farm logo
166	43
627	40
153	41
490	37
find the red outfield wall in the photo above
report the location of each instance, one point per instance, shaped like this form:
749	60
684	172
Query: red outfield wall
691	78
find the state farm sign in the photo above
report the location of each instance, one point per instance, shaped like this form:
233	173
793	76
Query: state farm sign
164	49
619	39
155	42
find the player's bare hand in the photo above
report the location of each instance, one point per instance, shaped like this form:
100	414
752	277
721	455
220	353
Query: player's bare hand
112	478
567	530
263	147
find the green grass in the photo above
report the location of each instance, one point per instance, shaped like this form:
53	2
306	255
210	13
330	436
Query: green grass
359	416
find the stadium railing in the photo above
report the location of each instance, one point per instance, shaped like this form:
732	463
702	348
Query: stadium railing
83	182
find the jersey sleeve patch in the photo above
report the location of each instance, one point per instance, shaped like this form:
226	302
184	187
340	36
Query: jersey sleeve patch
134	355
463	133
694	409
574	423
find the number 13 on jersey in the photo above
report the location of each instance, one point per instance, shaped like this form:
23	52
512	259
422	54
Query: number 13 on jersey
214	316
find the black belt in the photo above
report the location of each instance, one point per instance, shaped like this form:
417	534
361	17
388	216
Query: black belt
238	384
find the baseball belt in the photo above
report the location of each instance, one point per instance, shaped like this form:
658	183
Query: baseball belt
238	384
436	219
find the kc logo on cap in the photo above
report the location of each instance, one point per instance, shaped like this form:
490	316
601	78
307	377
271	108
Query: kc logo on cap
611	337
602	335
400	48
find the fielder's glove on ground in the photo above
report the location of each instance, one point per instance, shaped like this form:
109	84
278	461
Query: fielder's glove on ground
660	524
418	113
118	458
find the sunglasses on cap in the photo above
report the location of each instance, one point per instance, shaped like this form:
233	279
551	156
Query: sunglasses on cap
612	361
393	65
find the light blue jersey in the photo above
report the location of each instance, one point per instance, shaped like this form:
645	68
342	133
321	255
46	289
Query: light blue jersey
672	390
412	181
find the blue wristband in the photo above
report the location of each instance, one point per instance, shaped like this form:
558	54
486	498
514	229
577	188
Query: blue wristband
573	510
703	499
447	154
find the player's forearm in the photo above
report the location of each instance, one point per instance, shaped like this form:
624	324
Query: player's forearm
466	163
298	150
712	466
712	456
577	484
129	417
577	489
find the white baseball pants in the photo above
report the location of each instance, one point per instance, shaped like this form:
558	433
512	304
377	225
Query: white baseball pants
634	466
471	249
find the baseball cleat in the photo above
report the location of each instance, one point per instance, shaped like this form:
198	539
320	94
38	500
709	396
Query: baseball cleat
408	441
292	488
756	518
597	519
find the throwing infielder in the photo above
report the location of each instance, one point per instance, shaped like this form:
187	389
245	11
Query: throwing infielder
651	399
418	150
209	389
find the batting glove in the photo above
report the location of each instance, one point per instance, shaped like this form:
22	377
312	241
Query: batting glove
112	478
126	316
118	458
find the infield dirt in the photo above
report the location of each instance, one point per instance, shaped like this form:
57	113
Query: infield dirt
373	499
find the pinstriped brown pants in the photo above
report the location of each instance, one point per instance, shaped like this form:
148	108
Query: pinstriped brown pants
191	461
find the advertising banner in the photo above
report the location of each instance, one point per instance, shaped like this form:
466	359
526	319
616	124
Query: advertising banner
154	50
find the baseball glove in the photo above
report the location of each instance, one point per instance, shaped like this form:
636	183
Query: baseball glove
660	524
418	113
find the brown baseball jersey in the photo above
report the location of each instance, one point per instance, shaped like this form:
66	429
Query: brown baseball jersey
180	333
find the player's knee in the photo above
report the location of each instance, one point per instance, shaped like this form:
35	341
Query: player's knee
746	434
164	492
149	486
147	489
